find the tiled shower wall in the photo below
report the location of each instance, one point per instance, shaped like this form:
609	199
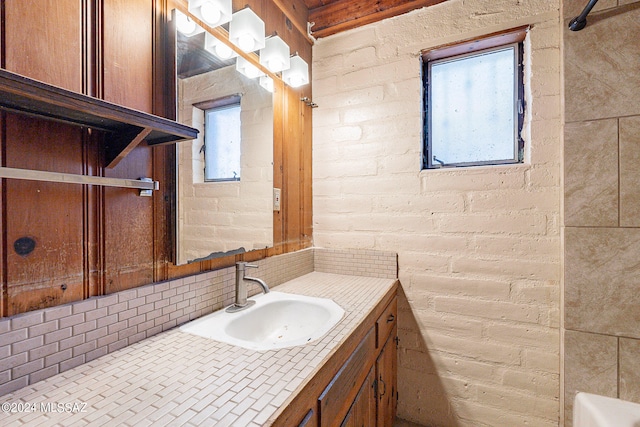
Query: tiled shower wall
42	343
602	202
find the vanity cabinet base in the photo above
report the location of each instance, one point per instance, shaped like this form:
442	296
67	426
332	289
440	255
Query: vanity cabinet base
357	387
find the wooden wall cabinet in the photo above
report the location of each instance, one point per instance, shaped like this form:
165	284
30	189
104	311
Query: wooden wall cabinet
360	391
92	240
89	240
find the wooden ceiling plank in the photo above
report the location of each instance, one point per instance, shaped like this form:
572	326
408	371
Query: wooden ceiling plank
342	15
313	4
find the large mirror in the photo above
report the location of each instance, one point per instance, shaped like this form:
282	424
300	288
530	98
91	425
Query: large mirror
225	176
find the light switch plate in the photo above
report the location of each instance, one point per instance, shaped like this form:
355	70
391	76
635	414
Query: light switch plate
276	200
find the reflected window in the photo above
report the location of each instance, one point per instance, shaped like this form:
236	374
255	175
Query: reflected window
474	105
222	140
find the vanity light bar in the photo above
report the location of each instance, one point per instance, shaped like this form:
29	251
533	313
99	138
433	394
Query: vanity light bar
295	76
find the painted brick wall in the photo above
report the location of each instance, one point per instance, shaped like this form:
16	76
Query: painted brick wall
478	248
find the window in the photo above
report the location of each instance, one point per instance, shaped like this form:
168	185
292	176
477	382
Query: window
222	139
473	102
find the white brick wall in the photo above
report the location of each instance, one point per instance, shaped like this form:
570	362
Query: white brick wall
479	248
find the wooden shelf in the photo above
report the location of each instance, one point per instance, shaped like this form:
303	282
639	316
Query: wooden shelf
125	127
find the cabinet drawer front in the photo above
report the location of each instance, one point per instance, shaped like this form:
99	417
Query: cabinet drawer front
335	400
386	322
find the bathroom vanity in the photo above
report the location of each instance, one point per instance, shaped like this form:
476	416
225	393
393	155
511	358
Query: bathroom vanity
357	385
345	377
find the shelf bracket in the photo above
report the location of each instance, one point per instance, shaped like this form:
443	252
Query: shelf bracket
120	147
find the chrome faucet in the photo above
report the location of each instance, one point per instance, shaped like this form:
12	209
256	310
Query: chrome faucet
241	287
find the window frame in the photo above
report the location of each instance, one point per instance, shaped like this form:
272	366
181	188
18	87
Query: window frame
218	104
470	48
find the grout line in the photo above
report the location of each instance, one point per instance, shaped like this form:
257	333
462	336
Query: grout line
619	174
618	370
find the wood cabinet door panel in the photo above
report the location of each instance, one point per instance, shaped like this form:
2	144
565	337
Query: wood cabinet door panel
386	378
44	221
128	70
42	40
335	400
128	226
128	53
363	410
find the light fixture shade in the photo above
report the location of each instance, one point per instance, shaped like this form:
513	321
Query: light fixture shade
267	83
298	74
186	25
247	68
246	30
218	48
275	55
213	12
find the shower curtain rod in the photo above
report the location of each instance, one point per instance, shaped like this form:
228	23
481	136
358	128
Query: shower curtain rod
580	21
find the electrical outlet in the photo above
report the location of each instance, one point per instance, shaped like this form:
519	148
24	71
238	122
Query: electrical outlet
276	199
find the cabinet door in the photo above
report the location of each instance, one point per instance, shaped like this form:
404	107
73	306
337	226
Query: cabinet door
337	398
386	377
363	410
128	218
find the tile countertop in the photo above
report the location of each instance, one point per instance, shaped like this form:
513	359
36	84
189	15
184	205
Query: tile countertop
178	378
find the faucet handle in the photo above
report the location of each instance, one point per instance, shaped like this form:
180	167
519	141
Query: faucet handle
251	266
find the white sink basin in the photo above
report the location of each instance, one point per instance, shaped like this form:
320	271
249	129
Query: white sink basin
277	320
592	410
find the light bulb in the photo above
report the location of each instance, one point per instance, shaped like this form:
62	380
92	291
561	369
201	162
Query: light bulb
252	72
275	64
246	30
267	83
185	25
275	55
247	68
223	51
210	13
298	74
246	42
296	81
